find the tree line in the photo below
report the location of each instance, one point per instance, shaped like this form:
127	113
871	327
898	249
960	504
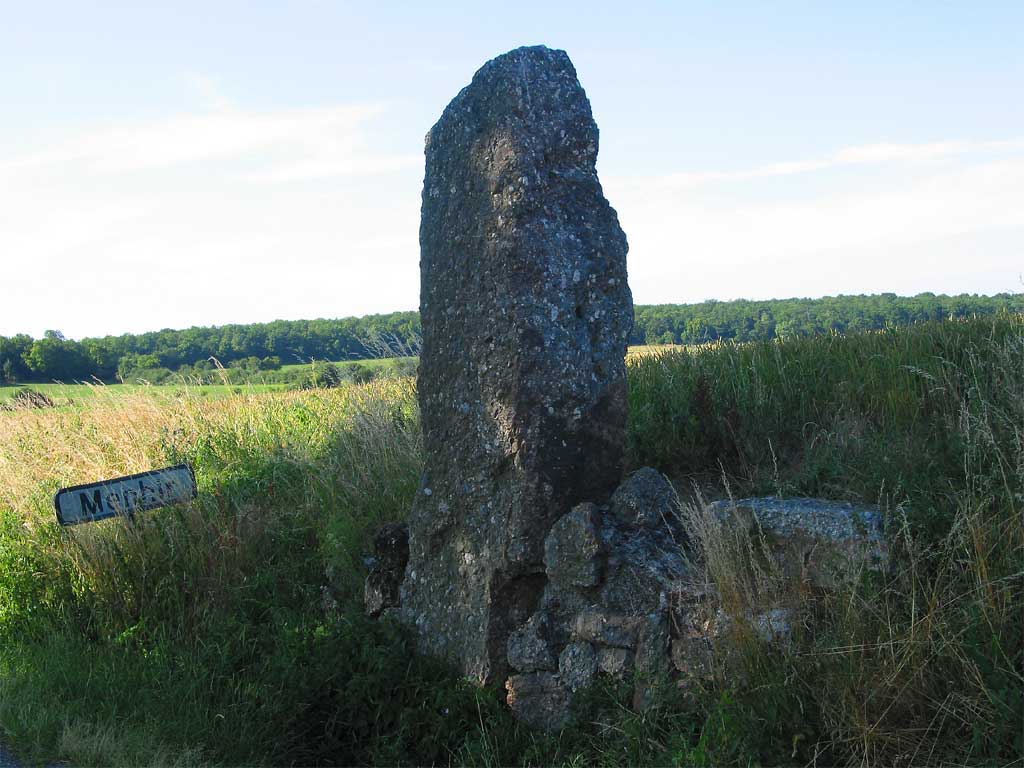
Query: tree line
267	346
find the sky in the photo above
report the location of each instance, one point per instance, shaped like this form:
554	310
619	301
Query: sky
164	165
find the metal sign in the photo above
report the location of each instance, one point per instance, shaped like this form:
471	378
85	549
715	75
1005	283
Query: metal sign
125	495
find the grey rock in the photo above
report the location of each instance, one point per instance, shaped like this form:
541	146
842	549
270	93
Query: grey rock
572	551
577	665
646	499
826	543
522	384
617	662
643	565
652	658
596	626
539	699
529	647
387	569
775	626
692	656
652	648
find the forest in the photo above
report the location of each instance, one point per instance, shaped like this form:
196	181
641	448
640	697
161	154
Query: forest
267	346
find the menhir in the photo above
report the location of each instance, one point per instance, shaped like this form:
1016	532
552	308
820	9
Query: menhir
522	385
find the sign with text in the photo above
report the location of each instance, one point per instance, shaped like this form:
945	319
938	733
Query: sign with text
125	495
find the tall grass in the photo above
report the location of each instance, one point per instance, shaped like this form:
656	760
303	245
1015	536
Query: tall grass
873	417
926	664
199	636
200	617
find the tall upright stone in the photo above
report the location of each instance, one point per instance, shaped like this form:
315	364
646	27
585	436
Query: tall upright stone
526	315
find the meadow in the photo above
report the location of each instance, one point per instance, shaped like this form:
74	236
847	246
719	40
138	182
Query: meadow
221	382
230	631
70	394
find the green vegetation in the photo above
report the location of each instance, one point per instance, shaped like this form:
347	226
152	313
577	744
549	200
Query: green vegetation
252	353
224	381
202	636
744	320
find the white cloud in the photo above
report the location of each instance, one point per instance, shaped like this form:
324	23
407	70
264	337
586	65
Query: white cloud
295	144
231	216
909	226
866	155
238	216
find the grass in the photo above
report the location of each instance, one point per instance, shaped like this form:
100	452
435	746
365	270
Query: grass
372	363
199	636
278	380
285	377
72	394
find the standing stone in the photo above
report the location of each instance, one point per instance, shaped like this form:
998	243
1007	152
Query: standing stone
522	384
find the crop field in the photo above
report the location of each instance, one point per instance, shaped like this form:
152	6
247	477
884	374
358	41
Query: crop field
230	631
69	394
372	363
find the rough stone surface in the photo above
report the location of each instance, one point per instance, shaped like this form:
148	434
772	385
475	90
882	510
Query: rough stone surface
615	661
529	647
775	626
692	656
577	665
522	384
644	565
645	499
652	647
824	542
387	568
573	548
652	657
607	629
539	700
612	582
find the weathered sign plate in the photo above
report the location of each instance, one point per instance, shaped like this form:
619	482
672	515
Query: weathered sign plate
125	495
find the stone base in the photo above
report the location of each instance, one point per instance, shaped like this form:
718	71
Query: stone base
620	598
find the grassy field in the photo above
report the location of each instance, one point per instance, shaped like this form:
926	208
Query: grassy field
70	394
216	383
200	635
372	363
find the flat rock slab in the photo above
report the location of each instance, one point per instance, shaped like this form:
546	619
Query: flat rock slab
831	541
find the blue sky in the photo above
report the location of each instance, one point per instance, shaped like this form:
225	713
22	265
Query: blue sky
175	164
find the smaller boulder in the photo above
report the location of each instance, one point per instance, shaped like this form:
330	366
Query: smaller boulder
387	569
529	647
577	665
607	629
539	699
617	662
646	499
572	550
825	543
692	656
652	648
652	658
